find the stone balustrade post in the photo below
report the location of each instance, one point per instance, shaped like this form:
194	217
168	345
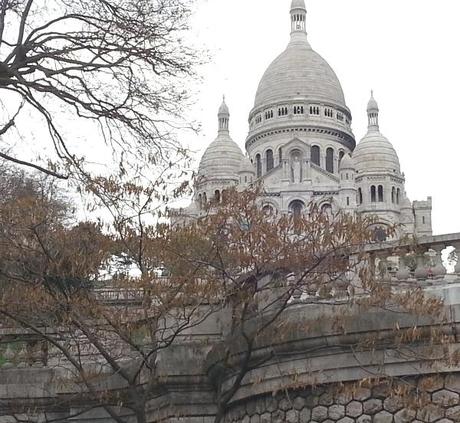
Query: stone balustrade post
438	270
457	265
421	271
403	273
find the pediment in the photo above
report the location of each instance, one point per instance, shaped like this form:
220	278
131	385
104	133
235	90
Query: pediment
295	144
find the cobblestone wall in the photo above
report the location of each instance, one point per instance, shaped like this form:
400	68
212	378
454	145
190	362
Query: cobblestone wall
356	405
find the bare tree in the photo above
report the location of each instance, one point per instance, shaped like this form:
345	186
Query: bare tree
117	66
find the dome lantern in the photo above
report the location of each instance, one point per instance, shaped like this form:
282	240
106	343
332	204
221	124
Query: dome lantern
298	16
373	114
224	117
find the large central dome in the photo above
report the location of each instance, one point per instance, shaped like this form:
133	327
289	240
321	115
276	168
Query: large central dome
299	72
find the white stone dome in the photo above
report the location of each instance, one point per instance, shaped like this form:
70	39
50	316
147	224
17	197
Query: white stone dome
299	72
376	154
221	160
246	166
347	162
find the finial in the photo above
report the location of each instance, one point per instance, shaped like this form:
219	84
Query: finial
224	116
373	113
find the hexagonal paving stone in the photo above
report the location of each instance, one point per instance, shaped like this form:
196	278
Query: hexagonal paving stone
430	413
305	415
445	421
393	404
445	398
405	416
246	419
354	409
251	408
266	418
299	403
431	383
453	382
255	418
383	417
381	391
292	416
453	413
278	416
285	404
373	406
345	420
271	404
336	412
364	419
344	398
319	413
326	399
362	394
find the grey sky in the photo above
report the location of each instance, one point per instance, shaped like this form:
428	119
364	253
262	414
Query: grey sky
406	50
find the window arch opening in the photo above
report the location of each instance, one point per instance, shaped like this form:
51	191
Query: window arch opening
316	155
330	160
373	194
269	160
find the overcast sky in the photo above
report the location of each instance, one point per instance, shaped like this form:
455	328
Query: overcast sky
407	51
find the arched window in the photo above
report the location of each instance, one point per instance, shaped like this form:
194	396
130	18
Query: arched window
205	199
360	196
296	208
330	160
393	195
341	154
258	166
223	196
398	195
280	154
217	196
269	160
315	155
373	194
348	201
200	201
380	192
268	210
326	209
380	234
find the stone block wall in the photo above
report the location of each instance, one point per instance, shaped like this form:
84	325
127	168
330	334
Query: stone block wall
439	403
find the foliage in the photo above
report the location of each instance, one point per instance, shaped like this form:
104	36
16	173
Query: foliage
116	67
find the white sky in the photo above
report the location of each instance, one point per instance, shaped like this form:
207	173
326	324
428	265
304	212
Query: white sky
406	50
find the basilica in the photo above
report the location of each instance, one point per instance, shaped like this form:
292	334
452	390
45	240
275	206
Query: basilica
301	148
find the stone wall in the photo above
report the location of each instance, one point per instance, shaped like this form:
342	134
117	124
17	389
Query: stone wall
439	402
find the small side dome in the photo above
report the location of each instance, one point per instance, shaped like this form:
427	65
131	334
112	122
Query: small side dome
221	160
246	166
347	163
375	153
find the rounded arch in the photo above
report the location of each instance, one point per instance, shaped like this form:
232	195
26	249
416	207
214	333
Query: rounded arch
258	165
296	208
315	153
330	156
269	160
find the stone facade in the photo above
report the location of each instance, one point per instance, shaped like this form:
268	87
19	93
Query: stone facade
354	404
301	148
